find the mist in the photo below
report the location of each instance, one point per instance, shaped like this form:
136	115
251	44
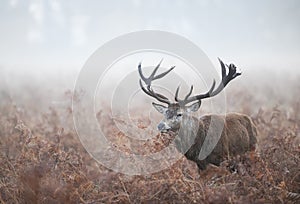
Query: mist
45	44
52	35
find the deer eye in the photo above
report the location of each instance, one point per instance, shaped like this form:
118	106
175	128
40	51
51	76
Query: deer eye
179	114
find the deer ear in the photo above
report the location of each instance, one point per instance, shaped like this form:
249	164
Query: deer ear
159	108
194	107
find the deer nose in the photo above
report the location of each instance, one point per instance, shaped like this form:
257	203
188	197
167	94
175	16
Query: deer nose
160	126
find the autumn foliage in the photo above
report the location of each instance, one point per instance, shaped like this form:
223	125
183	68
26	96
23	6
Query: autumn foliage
43	161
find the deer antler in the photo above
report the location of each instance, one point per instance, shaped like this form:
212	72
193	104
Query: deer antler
226	78
149	91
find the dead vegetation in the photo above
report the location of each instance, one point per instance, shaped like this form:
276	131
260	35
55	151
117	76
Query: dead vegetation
43	161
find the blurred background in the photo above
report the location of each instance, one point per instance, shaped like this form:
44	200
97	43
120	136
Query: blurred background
48	41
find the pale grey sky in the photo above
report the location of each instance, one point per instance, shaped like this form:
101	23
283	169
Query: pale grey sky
53	33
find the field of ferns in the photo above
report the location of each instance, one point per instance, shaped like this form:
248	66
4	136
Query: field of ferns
43	161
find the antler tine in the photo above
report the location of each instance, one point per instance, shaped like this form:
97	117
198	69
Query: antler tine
223	68
188	95
155	70
207	94
189	99
226	78
183	102
149	91
152	77
164	73
176	93
141	73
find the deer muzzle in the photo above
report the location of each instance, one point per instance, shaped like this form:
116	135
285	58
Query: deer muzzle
163	127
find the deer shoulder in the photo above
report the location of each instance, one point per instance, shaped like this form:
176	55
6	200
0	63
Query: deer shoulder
238	135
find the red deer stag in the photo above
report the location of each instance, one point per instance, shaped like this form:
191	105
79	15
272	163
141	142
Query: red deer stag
202	140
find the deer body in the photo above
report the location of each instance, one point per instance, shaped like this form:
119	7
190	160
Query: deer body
210	139
238	136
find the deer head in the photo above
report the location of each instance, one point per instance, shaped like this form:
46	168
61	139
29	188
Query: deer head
174	111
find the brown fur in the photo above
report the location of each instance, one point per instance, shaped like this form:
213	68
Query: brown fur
238	136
